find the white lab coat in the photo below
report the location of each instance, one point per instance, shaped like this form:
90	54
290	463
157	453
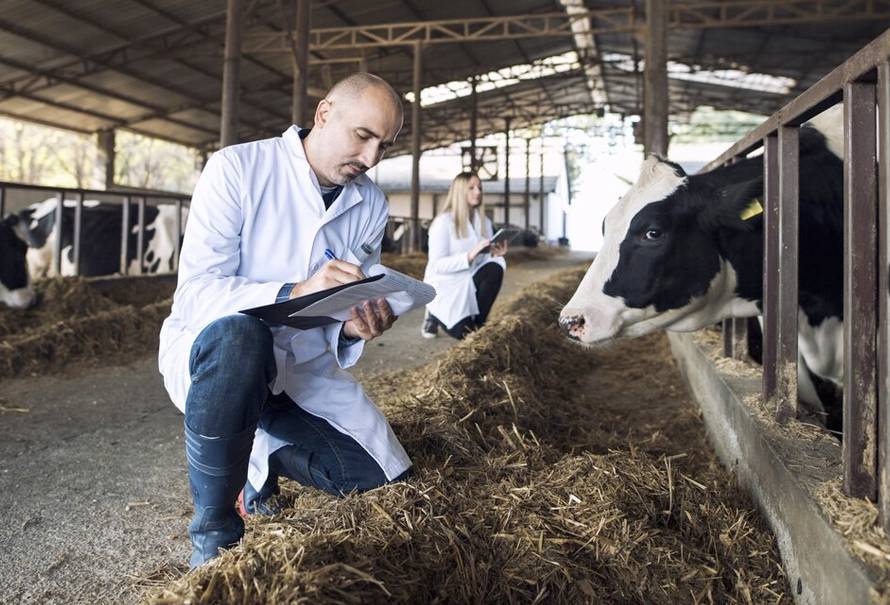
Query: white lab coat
257	221
449	271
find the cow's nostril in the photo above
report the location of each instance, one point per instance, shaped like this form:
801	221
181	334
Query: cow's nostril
571	324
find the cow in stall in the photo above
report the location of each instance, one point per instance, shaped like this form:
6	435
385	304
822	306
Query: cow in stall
15	291
101	238
682	252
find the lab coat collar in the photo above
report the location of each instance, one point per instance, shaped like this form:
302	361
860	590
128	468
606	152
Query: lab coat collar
352	191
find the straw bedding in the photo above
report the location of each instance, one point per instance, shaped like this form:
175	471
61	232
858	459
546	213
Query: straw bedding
544	473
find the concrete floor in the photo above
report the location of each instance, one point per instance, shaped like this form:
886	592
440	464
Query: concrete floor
92	473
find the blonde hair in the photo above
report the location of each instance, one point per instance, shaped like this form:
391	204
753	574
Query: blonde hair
456	203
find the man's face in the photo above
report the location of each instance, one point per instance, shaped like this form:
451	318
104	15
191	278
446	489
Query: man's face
354	134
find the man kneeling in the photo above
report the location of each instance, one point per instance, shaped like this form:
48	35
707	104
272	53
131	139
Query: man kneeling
266	401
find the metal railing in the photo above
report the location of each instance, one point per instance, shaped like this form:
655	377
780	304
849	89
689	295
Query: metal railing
124	197
862	83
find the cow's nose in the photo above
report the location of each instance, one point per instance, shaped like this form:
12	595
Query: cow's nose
572	325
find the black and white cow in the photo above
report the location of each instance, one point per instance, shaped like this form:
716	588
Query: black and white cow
101	238
680	253
14	289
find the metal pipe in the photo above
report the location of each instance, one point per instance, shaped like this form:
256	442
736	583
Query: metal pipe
125	234
474	117
301	62
656	101
884	293
507	171
528	181
231	74
57	235
541	194
177	245
78	232
415	244
140	234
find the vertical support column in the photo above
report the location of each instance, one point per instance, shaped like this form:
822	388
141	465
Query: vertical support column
564	240
301	63
726	332
228	132
2	202
507	171
770	265
786	351
57	235
528	182
415	245
105	144
177	245
541	195
860	287
656	104
140	234
474	117
884	293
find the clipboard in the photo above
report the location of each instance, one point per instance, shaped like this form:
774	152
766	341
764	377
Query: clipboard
504	234
318	309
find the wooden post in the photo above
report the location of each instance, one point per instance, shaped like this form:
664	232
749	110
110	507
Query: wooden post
415	244
231	74
507	171
860	287
884	294
301	63
656	104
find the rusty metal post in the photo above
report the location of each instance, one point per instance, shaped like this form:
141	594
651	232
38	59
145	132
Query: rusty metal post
770	266
228	134
884	293
414	243
860	287
656	103
301	63
786	350
507	171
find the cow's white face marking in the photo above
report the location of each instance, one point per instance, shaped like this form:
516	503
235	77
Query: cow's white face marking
822	347
20	298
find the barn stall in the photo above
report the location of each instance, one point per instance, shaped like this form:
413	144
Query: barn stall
547	473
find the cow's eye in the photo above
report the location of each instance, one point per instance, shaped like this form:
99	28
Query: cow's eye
653	234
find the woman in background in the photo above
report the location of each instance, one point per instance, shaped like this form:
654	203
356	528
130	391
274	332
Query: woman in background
463	266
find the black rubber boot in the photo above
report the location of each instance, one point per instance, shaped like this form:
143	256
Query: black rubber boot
217	468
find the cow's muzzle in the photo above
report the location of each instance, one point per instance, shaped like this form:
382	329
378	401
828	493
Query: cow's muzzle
572	324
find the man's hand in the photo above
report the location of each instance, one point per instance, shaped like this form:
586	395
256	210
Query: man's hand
478	249
499	249
369	320
334	273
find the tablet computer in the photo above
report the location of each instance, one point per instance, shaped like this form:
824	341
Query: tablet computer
504	235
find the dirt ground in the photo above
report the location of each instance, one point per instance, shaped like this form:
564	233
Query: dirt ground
92	472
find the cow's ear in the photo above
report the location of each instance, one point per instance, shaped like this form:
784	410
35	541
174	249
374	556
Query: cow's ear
11	220
730	207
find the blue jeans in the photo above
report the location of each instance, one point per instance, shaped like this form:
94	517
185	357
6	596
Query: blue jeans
231	366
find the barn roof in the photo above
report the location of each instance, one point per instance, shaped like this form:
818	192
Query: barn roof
155	66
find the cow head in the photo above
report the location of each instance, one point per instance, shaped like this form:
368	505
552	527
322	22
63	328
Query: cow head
661	265
14	290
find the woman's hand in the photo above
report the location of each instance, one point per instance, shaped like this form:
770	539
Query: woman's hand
478	249
499	249
369	320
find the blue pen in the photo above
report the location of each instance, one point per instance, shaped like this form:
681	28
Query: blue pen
329	254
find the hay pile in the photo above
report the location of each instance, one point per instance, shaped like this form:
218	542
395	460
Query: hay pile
74	321
526	490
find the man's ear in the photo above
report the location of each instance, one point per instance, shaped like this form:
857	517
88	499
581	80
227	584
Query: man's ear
736	206
322	112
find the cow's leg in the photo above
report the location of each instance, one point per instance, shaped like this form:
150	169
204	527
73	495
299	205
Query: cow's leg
231	366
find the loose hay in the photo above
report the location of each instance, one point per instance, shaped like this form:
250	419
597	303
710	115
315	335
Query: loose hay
520	494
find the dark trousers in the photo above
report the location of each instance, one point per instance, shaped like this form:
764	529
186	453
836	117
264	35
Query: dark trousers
488	281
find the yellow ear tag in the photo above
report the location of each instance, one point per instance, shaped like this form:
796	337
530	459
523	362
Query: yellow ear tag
752	210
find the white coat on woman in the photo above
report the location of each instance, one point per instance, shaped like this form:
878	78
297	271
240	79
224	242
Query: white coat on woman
258	221
449	269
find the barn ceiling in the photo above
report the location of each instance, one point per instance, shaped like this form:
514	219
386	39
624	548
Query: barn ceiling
155	66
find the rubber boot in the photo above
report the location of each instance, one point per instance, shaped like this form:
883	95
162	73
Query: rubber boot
252	502
217	468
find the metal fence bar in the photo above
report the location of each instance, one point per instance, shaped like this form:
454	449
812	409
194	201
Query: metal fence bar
726	329
786	351
884	293
57	235
770	265
140	234
2	201
125	234
78	232
740	338
860	288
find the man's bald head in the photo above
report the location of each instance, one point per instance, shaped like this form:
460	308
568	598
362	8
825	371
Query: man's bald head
356	122
352	88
